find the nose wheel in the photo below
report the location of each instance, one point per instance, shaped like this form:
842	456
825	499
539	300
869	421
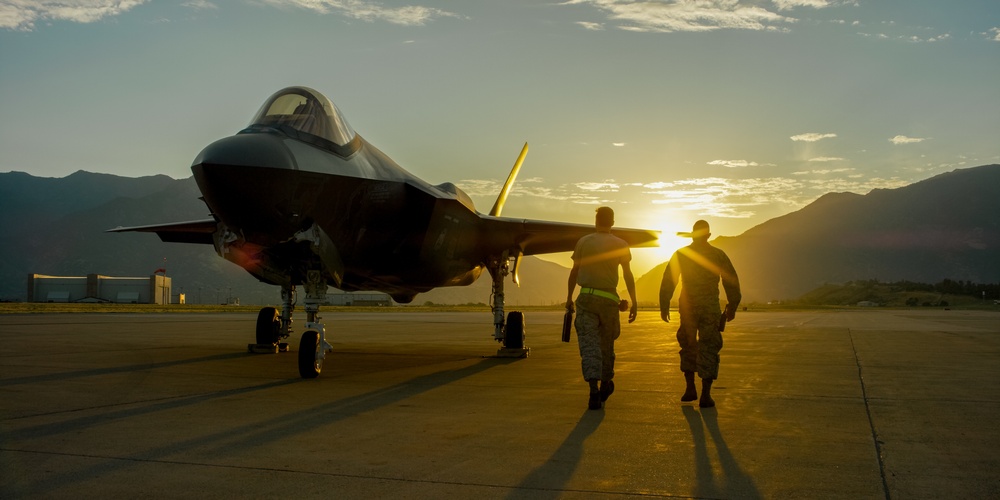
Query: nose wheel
268	333
313	346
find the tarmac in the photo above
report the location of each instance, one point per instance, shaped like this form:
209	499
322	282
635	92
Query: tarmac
885	404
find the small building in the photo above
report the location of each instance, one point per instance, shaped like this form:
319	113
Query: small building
154	289
358	299
867	303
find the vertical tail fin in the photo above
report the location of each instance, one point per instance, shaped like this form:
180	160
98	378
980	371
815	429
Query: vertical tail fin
498	206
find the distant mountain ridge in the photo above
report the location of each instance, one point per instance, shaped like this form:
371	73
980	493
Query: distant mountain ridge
947	226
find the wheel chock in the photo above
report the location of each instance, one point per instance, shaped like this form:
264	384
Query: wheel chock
505	352
263	348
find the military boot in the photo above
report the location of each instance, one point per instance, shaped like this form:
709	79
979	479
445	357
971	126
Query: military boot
690	394
706	396
594	402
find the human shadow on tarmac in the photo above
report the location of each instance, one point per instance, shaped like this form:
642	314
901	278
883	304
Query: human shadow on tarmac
734	483
239	439
549	480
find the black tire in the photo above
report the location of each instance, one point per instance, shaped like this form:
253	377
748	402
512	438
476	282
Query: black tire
309	365
513	337
268	326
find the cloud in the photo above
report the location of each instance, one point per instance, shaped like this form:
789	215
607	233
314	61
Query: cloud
688	15
742	198
791	4
709	196
591	26
618	144
731	198
608	186
826	158
734	163
200	5
902	139
812	137
410	15
22	14
993	34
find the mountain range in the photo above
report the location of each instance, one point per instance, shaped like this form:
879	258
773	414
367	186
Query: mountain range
945	227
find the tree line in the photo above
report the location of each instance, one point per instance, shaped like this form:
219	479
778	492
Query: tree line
946	286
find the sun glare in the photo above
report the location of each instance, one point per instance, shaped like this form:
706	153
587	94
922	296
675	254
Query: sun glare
668	226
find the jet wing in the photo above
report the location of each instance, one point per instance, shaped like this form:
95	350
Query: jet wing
538	237
196	231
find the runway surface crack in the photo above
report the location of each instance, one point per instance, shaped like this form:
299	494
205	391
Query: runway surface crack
871	421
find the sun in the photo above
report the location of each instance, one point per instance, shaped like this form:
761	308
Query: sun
668	225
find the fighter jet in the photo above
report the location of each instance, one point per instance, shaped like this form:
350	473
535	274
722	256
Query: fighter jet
299	199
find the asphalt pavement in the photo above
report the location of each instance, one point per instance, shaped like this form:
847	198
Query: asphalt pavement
852	404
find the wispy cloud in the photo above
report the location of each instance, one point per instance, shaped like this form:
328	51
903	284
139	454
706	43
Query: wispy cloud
732	198
791	4
890	30
410	15
831	171
591	26
743	198
710	196
200	5
826	159
993	34
23	14
938	38
608	186
812	137
902	139
688	15
734	163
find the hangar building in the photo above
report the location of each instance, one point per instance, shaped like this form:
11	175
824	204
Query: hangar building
154	289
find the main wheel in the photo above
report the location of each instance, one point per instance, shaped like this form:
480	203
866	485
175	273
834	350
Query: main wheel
513	337
309	364
268	326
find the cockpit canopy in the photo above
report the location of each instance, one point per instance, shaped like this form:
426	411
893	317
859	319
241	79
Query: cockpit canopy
306	111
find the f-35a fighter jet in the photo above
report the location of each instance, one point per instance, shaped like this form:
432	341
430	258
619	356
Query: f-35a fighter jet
299	199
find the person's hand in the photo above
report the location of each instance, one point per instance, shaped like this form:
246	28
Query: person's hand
730	313
665	315
569	306
632	313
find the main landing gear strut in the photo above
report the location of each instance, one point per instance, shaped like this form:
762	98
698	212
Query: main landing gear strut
511	333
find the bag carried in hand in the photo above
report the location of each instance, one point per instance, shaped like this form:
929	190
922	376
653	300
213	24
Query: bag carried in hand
567	324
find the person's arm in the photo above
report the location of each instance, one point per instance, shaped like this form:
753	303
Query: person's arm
731	284
571	285
630	286
667	286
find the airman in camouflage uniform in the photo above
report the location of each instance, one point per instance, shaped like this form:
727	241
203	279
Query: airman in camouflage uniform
700	266
595	268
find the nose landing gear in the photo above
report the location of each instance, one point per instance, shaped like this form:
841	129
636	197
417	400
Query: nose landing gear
313	346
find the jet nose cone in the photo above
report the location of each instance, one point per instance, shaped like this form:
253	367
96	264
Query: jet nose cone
248	150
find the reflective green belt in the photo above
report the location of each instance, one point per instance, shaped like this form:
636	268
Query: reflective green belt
600	293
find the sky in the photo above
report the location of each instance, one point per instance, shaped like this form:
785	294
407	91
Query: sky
668	111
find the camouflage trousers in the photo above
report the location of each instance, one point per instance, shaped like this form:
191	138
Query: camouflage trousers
700	338
597	326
